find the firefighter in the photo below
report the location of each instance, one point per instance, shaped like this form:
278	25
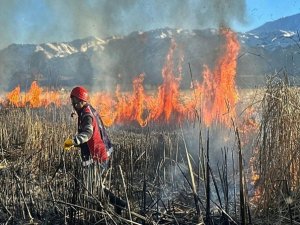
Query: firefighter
89	138
94	143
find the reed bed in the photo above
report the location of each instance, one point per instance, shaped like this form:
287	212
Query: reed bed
158	172
164	174
277	154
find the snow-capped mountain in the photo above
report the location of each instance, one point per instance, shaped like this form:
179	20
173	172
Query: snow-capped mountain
272	47
270	40
105	62
289	23
118	60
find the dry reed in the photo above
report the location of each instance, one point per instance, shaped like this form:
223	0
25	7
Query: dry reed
277	154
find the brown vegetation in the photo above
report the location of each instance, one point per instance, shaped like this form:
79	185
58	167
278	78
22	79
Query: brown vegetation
165	175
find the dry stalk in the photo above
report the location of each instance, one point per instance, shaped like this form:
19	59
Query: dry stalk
51	179
125	190
278	155
200	219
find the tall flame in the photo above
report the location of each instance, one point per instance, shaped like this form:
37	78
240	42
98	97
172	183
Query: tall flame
14	96
33	96
167	101
220	94
216	97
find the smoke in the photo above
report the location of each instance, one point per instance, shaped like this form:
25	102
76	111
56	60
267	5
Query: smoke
222	13
40	21
36	21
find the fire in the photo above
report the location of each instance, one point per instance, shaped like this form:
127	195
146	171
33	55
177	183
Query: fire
167	101
35	97
127	107
216	97
219	90
130	106
14	96
255	179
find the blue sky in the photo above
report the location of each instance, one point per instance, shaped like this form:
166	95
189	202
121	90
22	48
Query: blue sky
262	11
38	21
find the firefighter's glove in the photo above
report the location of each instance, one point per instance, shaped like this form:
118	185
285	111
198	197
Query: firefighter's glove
69	143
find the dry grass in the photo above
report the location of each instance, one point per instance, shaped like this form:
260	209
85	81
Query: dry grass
277	154
43	184
161	171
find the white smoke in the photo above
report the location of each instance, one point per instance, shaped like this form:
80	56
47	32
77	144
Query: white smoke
36	21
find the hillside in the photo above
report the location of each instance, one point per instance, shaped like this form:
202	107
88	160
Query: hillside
289	23
103	63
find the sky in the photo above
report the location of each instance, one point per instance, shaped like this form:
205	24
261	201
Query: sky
40	21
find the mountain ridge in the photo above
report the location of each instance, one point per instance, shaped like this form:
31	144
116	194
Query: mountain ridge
288	23
119	59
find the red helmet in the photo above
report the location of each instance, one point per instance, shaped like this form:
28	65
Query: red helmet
80	93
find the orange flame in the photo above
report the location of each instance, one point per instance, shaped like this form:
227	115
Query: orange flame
216	96
33	96
167	102
14	96
220	94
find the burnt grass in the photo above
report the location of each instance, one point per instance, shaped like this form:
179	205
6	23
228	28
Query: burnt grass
148	181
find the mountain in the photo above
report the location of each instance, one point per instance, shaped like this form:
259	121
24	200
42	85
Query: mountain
275	47
104	63
289	23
